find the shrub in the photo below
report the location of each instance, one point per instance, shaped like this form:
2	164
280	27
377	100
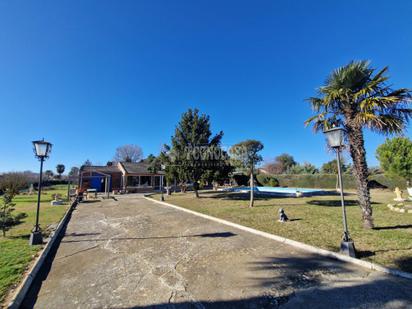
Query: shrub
395	157
13	182
267	180
241	180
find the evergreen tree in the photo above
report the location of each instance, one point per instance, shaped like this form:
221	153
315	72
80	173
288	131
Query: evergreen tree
7	218
195	151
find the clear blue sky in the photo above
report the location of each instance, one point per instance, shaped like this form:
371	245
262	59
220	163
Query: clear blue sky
92	75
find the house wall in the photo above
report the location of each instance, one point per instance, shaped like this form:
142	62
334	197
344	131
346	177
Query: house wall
97	181
116	181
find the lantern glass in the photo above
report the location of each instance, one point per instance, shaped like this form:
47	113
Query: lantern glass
335	137
42	148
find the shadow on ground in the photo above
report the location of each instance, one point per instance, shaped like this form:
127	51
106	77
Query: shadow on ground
332	203
302	283
394	227
23	236
405	263
206	235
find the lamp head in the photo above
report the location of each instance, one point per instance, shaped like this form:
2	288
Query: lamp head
335	137
42	148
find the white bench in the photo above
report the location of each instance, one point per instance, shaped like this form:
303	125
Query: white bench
91	194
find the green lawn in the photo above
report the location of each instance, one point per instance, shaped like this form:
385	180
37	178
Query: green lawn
316	221
15	252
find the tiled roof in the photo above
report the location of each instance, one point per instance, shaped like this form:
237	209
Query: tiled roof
130	168
101	169
138	168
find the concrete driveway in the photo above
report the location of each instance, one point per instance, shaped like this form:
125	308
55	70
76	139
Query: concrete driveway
134	253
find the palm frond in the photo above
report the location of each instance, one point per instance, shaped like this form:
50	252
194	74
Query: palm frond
387	124
314	118
371	103
356	94
317	103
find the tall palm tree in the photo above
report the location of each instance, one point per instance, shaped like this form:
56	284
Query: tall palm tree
60	169
356	97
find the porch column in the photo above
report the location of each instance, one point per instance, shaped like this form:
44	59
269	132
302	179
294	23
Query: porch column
124	182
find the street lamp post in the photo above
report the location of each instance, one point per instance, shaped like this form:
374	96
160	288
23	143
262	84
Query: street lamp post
42	150
335	139
162	198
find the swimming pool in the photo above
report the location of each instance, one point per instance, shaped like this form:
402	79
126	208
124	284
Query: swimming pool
280	191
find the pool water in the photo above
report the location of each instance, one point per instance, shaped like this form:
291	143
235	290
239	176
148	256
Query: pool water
280	191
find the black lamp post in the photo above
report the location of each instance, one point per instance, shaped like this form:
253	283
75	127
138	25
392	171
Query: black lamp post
162	198
335	139
42	150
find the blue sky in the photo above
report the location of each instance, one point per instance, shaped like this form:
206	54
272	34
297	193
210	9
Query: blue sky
92	75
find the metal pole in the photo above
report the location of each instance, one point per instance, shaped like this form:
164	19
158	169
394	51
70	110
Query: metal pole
68	189
36	228
251	186
346	236
162	198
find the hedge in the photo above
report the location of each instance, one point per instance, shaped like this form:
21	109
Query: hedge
328	181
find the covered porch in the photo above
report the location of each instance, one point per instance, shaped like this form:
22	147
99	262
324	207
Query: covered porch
139	181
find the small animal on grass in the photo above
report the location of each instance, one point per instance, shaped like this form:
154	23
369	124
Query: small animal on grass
282	216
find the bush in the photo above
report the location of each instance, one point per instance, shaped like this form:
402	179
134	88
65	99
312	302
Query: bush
267	180
241	180
13	182
395	157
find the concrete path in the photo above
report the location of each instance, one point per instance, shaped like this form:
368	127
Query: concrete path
134	253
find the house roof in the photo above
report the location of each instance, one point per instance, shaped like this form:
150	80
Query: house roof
101	169
138	168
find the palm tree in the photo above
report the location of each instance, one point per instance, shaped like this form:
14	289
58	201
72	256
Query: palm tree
60	169
49	174
356	97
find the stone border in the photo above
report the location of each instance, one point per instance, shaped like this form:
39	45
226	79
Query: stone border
25	285
401	210
297	244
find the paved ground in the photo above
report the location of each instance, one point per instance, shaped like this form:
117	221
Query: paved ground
135	253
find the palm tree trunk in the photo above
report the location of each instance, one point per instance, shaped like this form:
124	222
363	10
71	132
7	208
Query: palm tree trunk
360	170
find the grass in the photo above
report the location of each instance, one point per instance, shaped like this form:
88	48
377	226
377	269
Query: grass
316	221
15	252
